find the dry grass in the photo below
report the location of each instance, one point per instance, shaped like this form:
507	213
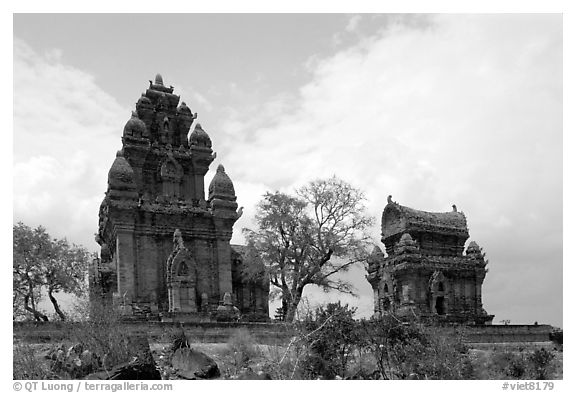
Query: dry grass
28	362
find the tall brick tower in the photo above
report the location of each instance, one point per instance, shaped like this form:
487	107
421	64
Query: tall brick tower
164	246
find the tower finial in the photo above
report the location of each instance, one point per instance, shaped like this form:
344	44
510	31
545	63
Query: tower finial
158	80
454	209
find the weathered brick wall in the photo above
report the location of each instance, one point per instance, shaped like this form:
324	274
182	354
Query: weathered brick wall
224	266
206	280
267	333
126	272
149	271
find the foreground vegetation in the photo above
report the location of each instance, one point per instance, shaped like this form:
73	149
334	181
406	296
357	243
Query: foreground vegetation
328	344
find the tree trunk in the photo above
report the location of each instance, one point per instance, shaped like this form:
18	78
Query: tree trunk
284	308
293	306
37	314
56	305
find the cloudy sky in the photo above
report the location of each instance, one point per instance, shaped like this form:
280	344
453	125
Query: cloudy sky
433	109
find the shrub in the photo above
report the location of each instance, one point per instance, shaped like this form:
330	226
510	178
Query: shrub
243	349
104	336
406	350
27	365
541	364
446	355
518	364
385	338
331	336
179	340
282	362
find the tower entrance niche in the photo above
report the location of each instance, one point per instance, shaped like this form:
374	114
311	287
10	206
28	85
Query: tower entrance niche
181	278
439	307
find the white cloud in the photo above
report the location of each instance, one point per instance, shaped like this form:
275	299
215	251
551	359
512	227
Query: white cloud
466	111
64	129
353	23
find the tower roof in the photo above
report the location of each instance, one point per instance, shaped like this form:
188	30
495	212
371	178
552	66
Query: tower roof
183	108
158	85
121	174
400	219
374	259
143	100
199	137
473	249
135	126
221	185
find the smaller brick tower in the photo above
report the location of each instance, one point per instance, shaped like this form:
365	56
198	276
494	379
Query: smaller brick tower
426	272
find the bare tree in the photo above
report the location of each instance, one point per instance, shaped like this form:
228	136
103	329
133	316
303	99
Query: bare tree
310	238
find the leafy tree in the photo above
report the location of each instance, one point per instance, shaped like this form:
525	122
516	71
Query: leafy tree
310	238
29	249
40	262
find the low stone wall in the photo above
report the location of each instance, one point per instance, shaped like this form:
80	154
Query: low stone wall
208	332
515	347
508	333
220	332
264	333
